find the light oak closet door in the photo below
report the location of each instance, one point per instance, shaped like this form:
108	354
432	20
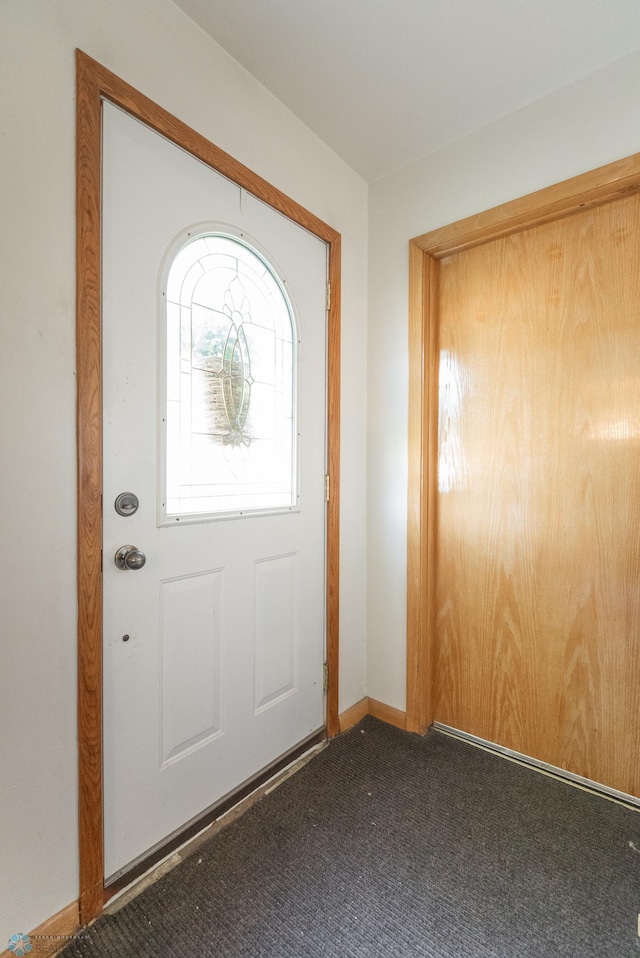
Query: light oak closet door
538	512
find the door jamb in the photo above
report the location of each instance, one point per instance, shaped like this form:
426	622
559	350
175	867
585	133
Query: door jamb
607	183
95	84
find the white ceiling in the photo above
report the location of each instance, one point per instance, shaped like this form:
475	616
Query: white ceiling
384	82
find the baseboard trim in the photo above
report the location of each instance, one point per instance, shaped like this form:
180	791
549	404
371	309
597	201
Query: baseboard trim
386	713
369	706
353	715
54	934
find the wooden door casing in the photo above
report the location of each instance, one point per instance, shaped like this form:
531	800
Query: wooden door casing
94	85
530	346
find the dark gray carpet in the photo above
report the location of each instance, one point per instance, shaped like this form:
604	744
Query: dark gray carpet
390	845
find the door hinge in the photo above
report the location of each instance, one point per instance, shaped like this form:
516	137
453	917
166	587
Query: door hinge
328	295
326	488
325	677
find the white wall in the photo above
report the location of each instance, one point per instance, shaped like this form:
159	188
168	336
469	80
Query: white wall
586	125
154	46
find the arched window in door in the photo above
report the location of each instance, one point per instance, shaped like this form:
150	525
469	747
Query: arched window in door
229	378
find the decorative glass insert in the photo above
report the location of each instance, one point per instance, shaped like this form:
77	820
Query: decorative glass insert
229	410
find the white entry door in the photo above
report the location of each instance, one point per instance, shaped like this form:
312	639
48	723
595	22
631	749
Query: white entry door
214	419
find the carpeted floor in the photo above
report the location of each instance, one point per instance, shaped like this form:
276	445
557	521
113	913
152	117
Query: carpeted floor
393	846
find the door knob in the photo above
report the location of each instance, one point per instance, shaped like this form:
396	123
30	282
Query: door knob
128	557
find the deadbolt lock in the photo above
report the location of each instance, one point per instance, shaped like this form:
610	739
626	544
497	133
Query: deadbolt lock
126	504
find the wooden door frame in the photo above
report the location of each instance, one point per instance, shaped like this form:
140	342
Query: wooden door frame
94	85
607	183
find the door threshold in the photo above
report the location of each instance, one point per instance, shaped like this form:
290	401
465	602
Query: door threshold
129	882
552	771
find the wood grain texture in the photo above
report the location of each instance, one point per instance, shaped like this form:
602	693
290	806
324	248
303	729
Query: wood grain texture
538	558
94	84
54	934
423	281
417	644
579	193
429	535
333	465
353	715
89	426
388	714
379	710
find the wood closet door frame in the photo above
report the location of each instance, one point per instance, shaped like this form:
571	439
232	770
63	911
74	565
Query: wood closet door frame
95	85
607	183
